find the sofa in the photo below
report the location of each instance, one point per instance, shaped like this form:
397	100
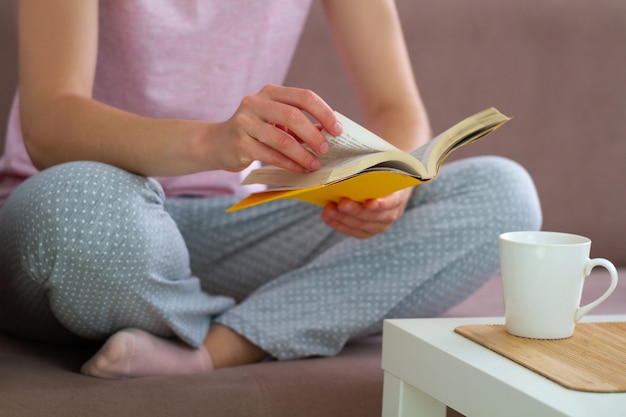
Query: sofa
556	66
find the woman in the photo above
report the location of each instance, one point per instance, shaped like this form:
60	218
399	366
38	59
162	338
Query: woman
142	117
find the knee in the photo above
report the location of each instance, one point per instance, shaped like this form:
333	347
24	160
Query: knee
82	183
79	194
78	211
511	191
493	193
87	230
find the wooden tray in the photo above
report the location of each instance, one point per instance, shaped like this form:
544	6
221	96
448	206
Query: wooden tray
593	359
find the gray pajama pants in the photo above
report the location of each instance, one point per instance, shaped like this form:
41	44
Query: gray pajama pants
87	249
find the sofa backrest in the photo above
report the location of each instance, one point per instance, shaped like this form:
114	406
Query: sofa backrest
8	61
556	66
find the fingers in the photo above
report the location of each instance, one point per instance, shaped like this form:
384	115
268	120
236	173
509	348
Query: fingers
305	101
277	119
277	146
353	227
361	221
366	220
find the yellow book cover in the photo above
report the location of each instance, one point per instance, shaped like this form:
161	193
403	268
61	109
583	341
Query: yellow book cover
361	166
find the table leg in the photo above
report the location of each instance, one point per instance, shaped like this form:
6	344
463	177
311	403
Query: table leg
401	399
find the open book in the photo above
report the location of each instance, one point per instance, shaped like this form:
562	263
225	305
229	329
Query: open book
360	165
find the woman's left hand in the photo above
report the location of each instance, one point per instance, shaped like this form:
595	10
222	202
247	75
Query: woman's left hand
365	220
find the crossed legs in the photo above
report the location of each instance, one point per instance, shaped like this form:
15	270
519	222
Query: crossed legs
111	260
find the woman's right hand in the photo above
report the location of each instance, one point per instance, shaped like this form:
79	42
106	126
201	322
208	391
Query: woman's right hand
273	127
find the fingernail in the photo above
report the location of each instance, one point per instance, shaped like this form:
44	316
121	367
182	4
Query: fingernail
338	128
347	206
315	165
324	147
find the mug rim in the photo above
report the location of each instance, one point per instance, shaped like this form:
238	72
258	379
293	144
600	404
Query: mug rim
548	238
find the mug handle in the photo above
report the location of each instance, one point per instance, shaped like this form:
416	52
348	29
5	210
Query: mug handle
589	265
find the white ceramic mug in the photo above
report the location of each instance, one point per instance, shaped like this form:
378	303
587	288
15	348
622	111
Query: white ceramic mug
542	281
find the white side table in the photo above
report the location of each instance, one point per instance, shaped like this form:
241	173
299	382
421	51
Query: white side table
428	367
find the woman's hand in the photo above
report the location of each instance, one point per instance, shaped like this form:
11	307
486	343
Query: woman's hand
273	127
365	220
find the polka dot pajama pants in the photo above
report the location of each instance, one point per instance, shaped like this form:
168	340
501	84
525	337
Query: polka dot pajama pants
87	249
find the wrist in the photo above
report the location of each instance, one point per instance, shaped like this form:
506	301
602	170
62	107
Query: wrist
200	147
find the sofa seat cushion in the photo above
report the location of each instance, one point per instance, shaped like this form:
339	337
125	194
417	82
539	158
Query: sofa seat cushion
38	379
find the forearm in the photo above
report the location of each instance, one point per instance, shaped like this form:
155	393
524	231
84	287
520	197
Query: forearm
68	128
380	69
406	125
65	127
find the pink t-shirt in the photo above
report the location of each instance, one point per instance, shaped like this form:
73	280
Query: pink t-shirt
192	59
